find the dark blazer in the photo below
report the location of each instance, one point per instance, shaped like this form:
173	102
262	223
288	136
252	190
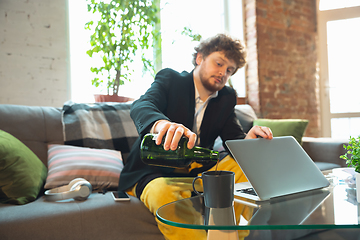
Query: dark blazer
172	97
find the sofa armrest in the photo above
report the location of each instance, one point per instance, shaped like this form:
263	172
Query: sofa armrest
325	149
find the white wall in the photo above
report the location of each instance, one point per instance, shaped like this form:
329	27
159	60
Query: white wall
34	52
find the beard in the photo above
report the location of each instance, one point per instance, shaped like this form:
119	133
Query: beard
206	82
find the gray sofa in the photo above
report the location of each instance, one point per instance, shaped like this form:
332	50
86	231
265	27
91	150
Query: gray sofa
99	217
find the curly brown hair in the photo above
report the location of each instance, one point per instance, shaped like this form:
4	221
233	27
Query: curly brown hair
232	48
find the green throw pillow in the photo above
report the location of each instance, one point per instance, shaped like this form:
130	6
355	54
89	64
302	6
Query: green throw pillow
22	174
285	127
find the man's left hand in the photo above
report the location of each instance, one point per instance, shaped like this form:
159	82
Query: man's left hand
257	131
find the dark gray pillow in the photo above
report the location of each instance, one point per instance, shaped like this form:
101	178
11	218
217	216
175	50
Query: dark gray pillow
246	115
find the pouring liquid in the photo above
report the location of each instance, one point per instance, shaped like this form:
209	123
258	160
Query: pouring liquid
217	166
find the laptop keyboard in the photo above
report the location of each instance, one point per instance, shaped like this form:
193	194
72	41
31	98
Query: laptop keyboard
250	191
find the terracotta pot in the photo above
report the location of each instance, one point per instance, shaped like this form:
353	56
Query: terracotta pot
111	98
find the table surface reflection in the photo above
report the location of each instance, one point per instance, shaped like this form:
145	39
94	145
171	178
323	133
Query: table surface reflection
330	208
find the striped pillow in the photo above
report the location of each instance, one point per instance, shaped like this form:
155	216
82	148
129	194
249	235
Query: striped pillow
101	167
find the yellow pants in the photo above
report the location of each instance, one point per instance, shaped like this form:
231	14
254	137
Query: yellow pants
163	190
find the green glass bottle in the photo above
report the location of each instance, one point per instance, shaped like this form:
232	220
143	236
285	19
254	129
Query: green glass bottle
182	157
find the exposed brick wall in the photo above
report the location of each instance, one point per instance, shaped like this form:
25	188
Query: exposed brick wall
282	71
33	52
252	76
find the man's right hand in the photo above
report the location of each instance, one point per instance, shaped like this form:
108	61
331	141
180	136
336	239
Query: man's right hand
173	133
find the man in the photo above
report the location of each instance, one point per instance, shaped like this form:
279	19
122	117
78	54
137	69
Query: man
197	105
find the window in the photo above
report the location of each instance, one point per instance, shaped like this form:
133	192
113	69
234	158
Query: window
80	62
339	71
204	17
336	4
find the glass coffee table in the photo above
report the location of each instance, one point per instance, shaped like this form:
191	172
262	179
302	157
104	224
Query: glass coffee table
334	207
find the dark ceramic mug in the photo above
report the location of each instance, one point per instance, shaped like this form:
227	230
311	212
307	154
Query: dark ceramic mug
218	188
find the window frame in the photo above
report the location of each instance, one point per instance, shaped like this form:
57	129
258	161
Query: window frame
324	17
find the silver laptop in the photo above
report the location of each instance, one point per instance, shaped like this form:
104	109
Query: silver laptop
274	168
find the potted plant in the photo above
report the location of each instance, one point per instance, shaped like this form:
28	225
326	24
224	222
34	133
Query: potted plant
352	157
123	28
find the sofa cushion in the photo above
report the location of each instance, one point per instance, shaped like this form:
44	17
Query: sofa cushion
285	127
99	217
100	167
99	125
246	115
34	126
22	174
